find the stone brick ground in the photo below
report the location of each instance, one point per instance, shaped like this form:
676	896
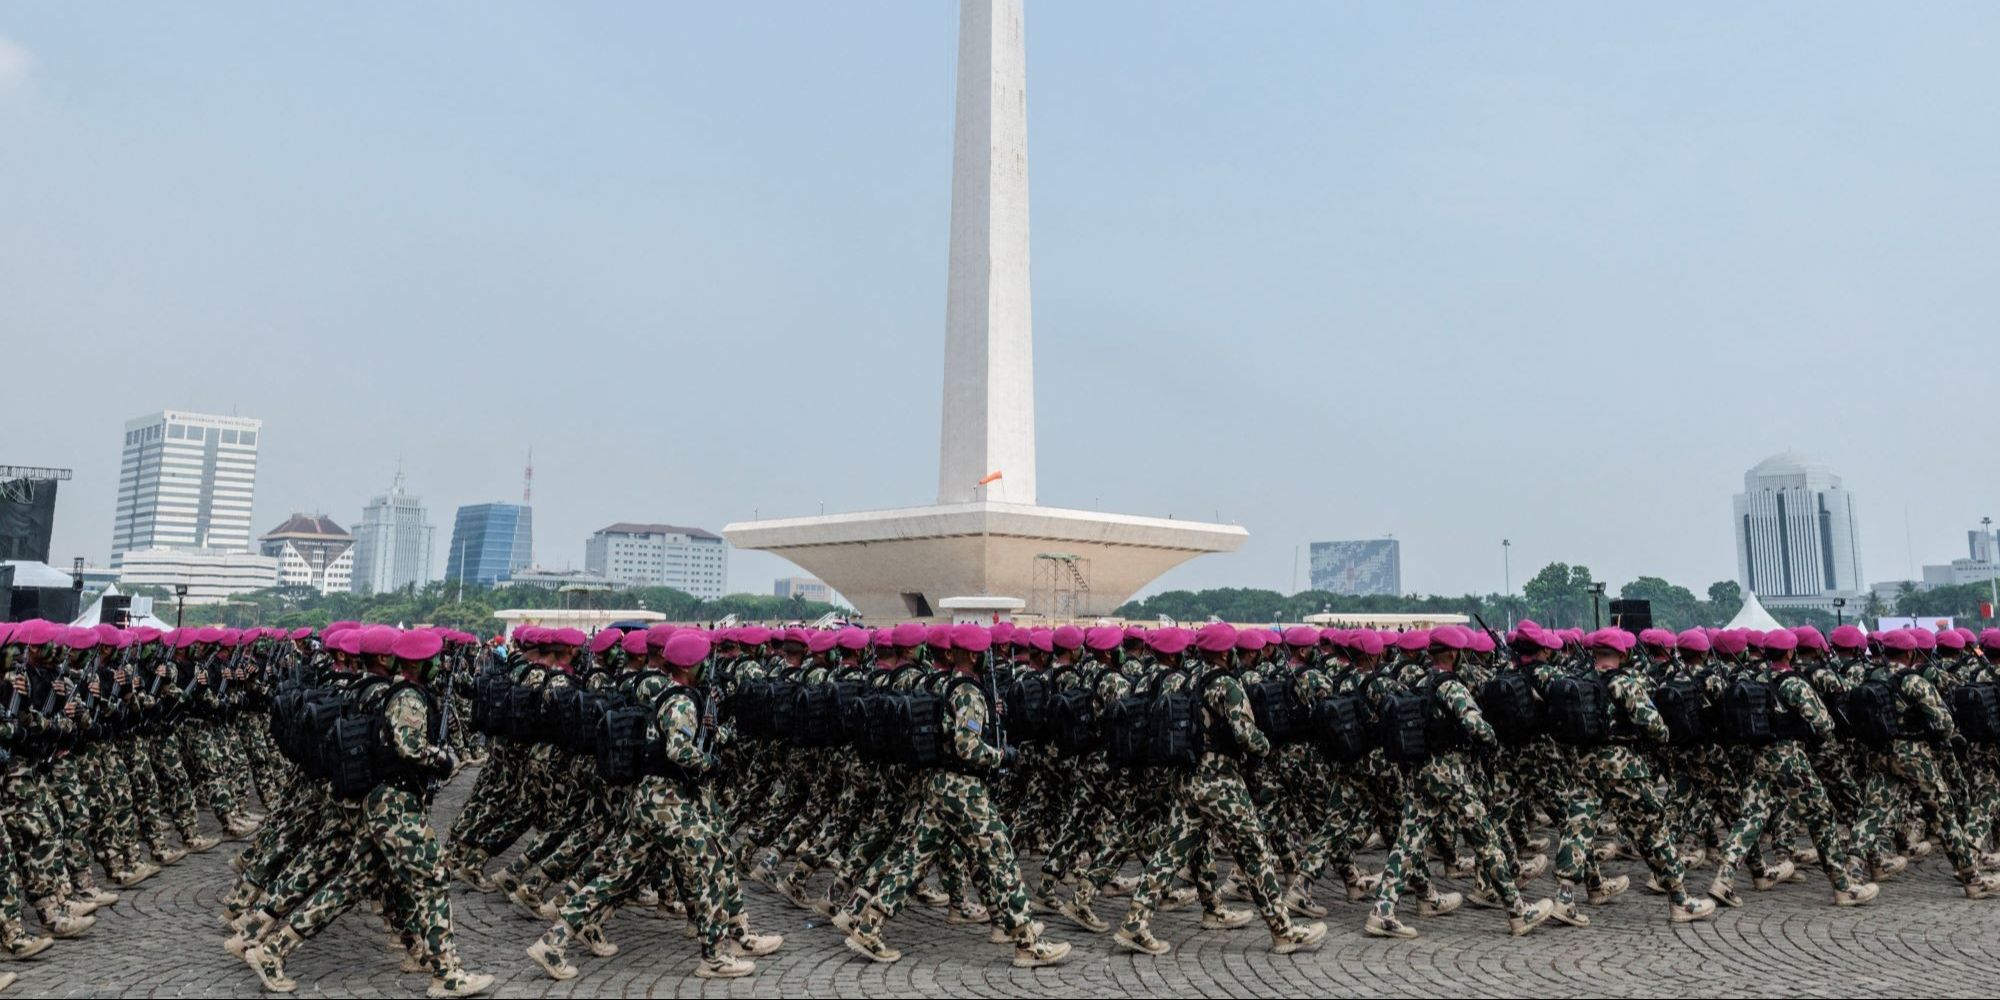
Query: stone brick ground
1920	938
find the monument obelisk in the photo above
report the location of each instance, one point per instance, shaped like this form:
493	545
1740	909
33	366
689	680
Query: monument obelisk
978	548
989	351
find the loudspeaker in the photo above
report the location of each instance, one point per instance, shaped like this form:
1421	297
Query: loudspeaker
116	609
57	604
1632	616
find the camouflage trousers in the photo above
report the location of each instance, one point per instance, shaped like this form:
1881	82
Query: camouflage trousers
494	816
209	767
1443	795
30	817
72	811
664	832
1211	801
1620	782
1909	765
170	774
952	810
1781	776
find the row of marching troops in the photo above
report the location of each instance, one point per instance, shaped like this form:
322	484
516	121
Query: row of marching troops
112	743
661	767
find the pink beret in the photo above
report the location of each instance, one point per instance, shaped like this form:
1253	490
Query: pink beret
1810	638
687	648
1990	638
605	638
819	641
415	647
1950	639
1657	637
753	635
1449	637
1693	640
1616	640
1066	637
1480	641
1135	631
1168	641
79	638
1301	635
1414	640
1366	643
1103	637
1900	640
1848	637
972	637
1002	631
633	643
851	639
1251	640
1040	639
937	636
378	640
1730	642
1781	640
1216	637
147	633
567	637
908	635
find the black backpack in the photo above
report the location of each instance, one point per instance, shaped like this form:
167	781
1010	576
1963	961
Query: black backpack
524	714
1868	714
1580	708
1507	701
1975	708
1279	714
621	748
1746	712
1403	727
1151	728
490	701
1072	723
1337	728
816	716
1028	699
348	748
1680	704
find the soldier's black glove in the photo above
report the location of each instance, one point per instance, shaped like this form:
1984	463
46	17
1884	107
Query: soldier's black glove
1008	755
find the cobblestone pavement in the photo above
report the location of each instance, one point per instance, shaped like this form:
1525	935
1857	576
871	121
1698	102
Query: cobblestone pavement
1920	938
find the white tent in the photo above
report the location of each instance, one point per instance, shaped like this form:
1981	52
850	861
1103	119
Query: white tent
1753	615
91	615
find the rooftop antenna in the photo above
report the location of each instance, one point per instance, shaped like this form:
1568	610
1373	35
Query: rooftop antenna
528	480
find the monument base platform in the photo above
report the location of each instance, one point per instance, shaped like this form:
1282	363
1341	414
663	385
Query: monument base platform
899	564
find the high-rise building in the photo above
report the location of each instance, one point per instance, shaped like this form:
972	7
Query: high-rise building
186	482
1365	567
490	542
690	560
392	543
1979	545
1797	541
311	551
804	588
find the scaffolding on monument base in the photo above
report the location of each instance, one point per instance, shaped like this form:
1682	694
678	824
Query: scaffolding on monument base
1061	589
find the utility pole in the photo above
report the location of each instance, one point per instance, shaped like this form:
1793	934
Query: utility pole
1992	580
1507	578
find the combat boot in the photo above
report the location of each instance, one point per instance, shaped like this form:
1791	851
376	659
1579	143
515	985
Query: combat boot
168	855
1078	912
202	843
1979	886
1484	899
1176	898
594	940
1565	911
550	958
796	893
459	983
1806	858
1532	869
1359	886
724	967
930	896
1437	904
1231	889
1723	892
1856	895
1530	918
1692	910
1298	937
869	945
23	945
526	900
1299	899
1463	866
1779	874
1139	939
267	960
1609	889
1120	886
966	913
471	871
1887	866
1223	918
1379	925
746	943
1040	954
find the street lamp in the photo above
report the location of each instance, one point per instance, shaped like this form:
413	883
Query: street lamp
1596	595
180	602
1839	611
1992	581
1507	578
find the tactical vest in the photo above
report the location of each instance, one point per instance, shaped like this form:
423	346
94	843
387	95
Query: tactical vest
1073	722
1580	708
1745	711
1975	708
1507	700
1679	701
1282	717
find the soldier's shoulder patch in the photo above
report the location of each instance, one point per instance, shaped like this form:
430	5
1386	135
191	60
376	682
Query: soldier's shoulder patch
973	725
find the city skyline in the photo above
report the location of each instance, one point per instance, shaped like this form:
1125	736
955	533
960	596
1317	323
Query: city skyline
1365	202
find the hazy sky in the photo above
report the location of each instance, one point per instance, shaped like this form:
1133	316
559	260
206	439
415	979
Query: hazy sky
1453	272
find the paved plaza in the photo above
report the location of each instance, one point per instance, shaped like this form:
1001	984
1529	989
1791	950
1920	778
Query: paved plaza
1920	938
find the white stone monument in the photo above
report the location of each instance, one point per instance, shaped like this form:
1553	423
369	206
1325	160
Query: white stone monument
984	535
